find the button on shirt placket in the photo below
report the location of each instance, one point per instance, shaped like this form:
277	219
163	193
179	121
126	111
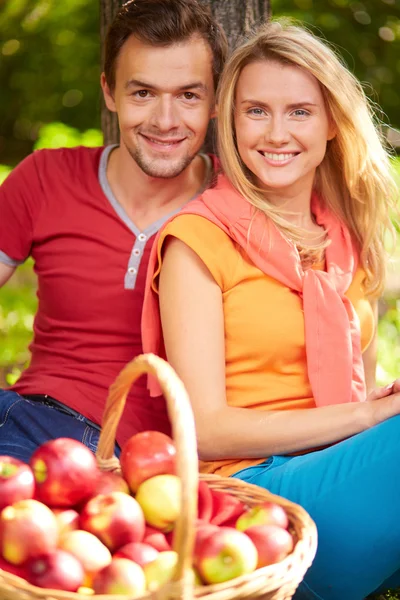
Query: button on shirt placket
134	261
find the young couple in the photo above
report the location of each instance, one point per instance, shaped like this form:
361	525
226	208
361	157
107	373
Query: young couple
261	293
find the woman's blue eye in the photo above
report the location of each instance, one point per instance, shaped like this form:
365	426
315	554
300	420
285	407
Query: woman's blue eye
300	112
256	111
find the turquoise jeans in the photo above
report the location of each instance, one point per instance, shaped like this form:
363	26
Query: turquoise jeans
352	491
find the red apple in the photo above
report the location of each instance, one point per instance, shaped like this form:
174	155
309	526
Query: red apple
115	518
169	536
138	552
267	513
18	570
273	543
58	571
156	538
67	520
160	499
108	482
224	555
65	471
16	481
121	576
88	550
226	508
204	502
161	570
28	529
203	530
145	455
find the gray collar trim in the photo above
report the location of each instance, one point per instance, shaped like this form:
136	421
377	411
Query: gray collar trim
154	227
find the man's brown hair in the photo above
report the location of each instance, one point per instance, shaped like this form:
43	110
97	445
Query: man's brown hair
163	23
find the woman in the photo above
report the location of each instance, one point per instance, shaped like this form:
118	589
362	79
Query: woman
267	292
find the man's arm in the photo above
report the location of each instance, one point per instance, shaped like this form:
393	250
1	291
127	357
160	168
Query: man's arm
5	273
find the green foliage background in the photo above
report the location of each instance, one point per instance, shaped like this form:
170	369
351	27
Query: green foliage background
50	97
50	60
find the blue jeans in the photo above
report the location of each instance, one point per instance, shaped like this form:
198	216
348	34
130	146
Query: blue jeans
352	491
26	424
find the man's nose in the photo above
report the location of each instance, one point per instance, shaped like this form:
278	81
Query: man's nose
165	116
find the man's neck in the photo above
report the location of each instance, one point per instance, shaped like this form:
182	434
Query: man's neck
148	199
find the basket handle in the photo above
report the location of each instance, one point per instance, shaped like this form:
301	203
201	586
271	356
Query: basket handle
184	434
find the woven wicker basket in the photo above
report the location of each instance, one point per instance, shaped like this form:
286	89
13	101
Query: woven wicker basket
275	582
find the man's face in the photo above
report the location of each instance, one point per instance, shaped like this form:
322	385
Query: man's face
164	99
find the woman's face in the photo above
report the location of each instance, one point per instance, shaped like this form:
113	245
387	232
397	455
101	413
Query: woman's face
282	126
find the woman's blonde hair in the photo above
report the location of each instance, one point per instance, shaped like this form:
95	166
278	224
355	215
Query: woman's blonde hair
354	179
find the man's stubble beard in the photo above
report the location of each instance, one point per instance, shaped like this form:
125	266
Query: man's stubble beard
155	168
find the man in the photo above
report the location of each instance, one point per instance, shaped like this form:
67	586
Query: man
88	217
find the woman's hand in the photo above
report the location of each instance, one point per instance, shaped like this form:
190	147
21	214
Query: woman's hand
384	402
383	392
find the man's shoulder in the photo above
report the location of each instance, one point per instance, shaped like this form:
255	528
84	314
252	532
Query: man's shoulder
51	169
77	156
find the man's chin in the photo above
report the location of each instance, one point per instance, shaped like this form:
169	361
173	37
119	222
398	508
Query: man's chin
162	168
166	170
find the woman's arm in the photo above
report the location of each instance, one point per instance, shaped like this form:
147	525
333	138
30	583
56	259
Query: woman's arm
193	327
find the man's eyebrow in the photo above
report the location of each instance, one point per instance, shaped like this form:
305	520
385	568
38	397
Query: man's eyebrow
137	83
290	106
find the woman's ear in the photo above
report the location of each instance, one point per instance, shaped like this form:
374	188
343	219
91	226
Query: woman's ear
332	130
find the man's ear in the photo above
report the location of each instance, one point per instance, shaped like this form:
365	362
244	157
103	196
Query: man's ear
108	96
214	112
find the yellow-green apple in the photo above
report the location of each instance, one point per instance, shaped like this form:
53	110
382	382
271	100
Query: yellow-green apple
59	570
145	455
117	519
224	555
65	471
108	482
139	552
88	549
28	528
67	520
267	513
160	499
160	570
85	590
273	543
16	481
121	576
156	538
196	578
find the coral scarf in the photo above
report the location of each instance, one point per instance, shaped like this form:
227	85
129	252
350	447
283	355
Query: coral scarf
332	331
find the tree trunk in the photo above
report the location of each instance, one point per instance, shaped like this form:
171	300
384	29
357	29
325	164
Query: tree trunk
237	17
109	121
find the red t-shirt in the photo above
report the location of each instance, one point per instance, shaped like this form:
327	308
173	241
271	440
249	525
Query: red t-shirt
91	264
